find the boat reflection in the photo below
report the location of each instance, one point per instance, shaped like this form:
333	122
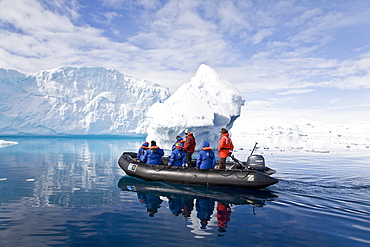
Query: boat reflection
184	199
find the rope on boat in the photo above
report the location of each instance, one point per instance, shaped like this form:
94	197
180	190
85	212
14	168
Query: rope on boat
242	177
234	172
230	172
158	170
167	167
226	175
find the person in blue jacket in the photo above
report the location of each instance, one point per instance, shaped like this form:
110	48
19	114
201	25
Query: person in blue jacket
178	140
206	157
142	151
178	156
154	155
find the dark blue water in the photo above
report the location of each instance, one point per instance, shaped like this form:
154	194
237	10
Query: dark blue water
71	192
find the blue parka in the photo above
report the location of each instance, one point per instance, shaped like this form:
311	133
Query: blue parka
142	151
178	157
153	156
179	140
206	157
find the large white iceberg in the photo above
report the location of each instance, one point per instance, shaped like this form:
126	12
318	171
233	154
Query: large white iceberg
75	101
204	105
100	101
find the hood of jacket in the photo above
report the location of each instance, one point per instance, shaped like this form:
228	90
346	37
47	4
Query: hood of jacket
206	144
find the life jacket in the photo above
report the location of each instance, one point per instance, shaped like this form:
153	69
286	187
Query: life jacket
153	156
206	157
225	146
143	150
178	157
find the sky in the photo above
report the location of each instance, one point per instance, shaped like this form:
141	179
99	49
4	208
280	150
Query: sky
290	59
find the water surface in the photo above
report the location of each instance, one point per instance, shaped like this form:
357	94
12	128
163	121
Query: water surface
71	192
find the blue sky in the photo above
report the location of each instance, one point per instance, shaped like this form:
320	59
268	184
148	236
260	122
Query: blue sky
290	59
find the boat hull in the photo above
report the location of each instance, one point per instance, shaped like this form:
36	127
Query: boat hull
252	179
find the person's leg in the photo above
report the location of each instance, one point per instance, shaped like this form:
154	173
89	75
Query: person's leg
222	163
188	159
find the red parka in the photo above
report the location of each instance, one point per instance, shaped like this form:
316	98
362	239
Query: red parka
225	146
189	146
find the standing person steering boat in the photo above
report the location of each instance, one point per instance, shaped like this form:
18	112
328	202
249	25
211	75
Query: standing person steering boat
225	147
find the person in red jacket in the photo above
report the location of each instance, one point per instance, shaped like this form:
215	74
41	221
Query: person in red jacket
225	147
189	147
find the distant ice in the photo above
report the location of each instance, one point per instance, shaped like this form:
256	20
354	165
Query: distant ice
7	143
302	136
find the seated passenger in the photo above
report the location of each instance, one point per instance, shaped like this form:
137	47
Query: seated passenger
206	157
154	155
142	151
182	142
178	156
178	140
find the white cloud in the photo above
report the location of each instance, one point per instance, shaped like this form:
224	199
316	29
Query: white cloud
261	34
257	46
297	91
31	18
131	4
257	103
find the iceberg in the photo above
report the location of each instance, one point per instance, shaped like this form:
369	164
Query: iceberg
101	101
76	101
204	105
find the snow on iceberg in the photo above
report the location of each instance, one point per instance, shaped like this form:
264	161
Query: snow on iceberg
76	101
204	105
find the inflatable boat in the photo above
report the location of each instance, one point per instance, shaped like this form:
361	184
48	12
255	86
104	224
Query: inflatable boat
252	174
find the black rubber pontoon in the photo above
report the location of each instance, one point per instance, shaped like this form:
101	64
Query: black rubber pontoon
235	178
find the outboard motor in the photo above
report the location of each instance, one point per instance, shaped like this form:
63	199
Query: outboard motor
256	162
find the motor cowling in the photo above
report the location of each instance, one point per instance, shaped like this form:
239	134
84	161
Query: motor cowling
256	162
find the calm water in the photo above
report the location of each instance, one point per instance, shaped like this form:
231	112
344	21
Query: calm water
71	192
